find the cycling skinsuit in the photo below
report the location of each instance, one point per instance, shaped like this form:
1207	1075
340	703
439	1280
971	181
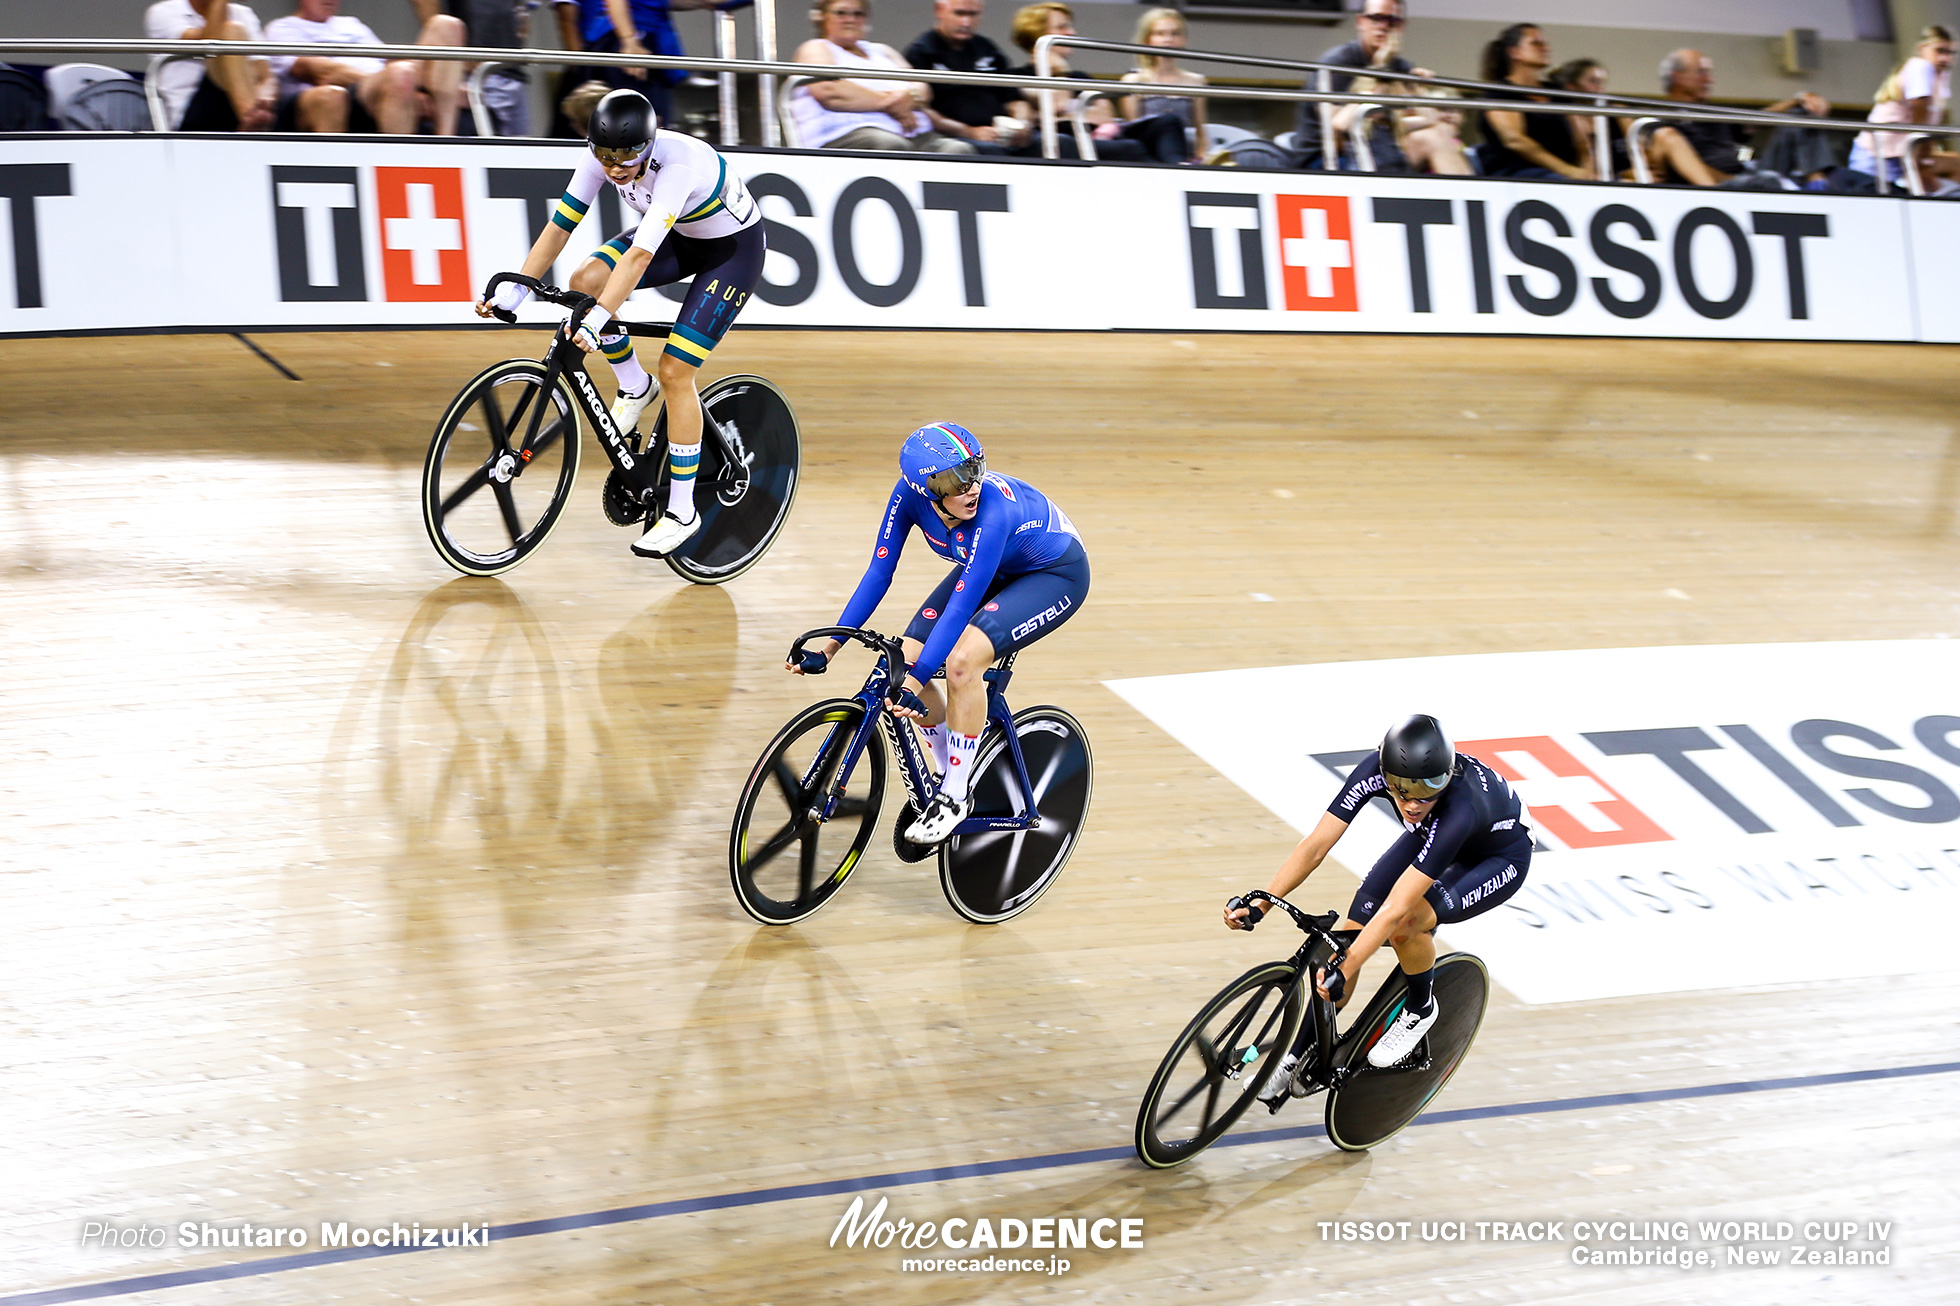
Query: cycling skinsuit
1474	843
1020	571
697	220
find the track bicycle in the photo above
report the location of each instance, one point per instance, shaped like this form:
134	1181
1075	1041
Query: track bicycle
802	823
1215	1070
499	435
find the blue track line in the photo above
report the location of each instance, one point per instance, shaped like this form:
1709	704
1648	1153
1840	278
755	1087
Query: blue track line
937	1174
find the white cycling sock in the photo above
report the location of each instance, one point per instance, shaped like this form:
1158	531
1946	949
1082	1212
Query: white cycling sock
685	460
935	737
632	378
959	763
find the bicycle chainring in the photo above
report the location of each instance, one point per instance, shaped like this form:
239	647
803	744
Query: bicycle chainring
622	502
907	850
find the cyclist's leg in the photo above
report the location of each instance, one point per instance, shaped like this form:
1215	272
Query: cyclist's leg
590	279
726	271
1469	889
917	632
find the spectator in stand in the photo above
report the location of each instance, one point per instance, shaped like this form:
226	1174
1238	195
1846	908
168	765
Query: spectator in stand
848	114
576	108
500	25
1688	76
1159	137
978	114
226	94
1914	95
649	29
1377	45
1165	29
321	93
1518	143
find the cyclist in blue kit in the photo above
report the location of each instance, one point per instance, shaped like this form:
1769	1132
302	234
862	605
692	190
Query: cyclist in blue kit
696	220
1465	849
1019	572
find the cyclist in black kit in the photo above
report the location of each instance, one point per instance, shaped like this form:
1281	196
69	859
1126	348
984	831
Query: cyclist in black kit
1465	850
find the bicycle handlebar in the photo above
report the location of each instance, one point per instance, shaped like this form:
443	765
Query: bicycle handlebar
1321	925
893	649
580	304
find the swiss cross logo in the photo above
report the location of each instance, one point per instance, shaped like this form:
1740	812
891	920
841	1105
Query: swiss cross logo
1566	799
1316	253
424	249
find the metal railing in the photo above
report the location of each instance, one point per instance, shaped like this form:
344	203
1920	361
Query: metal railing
1588	104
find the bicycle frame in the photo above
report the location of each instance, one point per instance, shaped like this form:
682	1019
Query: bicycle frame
905	743
639	467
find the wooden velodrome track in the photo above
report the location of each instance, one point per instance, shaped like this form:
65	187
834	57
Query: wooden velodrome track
340	888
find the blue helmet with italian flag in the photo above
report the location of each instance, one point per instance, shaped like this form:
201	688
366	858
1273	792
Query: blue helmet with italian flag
941	459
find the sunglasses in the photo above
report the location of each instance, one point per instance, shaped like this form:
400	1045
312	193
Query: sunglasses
1386	20
617	158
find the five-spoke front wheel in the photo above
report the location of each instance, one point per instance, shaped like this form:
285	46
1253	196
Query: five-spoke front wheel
485	503
785	857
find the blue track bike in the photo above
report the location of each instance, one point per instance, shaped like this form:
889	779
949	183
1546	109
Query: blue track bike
811	805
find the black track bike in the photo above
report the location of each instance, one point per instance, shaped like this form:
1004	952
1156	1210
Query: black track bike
806	813
505	454
1214	1071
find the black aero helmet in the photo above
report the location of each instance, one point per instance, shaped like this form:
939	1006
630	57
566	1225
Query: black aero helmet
622	127
1417	758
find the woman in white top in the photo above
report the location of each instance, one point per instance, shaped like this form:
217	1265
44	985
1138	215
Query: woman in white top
849	114
1164	28
1915	94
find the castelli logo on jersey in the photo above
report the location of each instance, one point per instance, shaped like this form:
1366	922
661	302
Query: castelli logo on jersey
959	587
959	535
884	553
993	607
953	761
930	615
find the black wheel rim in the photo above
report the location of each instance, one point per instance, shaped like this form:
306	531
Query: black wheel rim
742	509
996	874
485	508
785	864
1213	1072
1375	1104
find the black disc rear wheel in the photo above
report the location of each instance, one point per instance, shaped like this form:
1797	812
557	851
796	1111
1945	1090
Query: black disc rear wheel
783	860
743	503
1214	1070
998	874
1376	1104
484	505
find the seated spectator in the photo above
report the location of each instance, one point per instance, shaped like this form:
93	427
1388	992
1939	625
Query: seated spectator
1519	143
576	108
848	114
499	25
1425	140
1714	156
1914	94
1377	45
1158	137
1165	29
973	113
321	93
1589	76
226	94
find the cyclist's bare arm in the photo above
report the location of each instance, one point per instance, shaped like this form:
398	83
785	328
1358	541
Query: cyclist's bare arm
544	253
1403	900
1303	861
625	278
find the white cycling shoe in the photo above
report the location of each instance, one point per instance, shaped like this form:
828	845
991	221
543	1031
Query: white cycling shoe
627	408
941	817
666	535
1400	1039
1282	1081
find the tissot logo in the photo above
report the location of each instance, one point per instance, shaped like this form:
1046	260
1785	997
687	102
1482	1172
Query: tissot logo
316	222
424	249
1563	257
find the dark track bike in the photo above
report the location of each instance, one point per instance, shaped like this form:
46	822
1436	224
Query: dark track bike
801	826
1213	1072
504	456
